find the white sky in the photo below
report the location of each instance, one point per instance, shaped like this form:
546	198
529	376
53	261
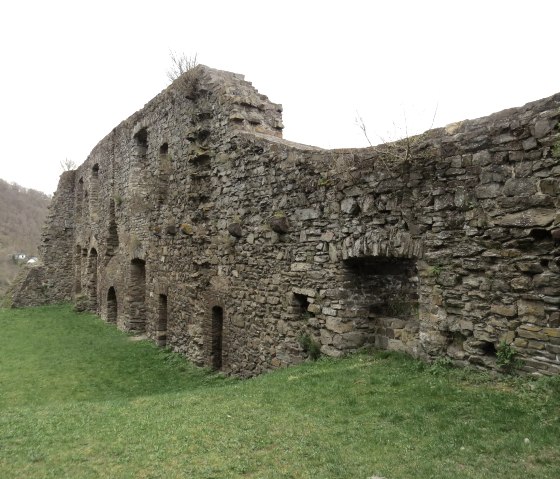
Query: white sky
70	71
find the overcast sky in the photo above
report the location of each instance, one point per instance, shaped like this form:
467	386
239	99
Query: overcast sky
71	70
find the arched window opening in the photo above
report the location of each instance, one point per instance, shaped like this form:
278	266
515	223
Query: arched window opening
112	309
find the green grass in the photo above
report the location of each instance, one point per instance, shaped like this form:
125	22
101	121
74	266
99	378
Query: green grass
78	399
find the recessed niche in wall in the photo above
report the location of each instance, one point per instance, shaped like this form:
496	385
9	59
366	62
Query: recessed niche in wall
92	278
380	297
79	198
386	286
78	270
300	305
112	232
141	143
137	295
161	333
488	348
217	327
112	309
94	189
164	171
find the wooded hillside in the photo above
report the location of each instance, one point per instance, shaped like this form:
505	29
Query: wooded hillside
22	213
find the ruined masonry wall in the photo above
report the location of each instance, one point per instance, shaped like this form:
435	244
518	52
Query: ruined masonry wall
195	222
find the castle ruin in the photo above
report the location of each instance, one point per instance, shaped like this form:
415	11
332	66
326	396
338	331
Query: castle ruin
195	223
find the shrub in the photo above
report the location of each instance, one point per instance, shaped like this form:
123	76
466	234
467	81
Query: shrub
507	357
440	365
310	346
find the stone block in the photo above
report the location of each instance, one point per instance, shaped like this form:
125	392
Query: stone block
350	340
532	335
530	308
482	158
529	144
298	267
349	206
307	214
528	218
549	186
490	190
279	224
532	267
519	187
338	326
314	308
552	332
235	230
238	320
508	310
329	311
543	127
331	351
309	292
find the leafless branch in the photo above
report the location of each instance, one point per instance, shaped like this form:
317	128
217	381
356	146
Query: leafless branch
180	63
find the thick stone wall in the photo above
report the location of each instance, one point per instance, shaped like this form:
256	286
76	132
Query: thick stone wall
194	221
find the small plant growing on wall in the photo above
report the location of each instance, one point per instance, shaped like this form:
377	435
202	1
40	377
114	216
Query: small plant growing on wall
435	271
506	358
556	150
310	346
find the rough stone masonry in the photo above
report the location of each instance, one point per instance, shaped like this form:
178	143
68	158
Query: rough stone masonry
194	222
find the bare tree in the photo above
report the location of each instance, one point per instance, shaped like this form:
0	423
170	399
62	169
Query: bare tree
180	63
396	149
68	164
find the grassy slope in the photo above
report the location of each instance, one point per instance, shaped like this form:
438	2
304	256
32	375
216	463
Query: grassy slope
78	399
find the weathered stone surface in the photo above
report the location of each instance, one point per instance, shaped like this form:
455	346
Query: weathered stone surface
194	221
508	310
307	214
279	224
235	230
349	206
490	190
530	308
519	187
528	218
543	127
338	326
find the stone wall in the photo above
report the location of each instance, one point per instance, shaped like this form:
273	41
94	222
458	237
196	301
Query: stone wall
195	222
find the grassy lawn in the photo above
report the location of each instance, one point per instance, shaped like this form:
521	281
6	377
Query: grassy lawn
79	399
